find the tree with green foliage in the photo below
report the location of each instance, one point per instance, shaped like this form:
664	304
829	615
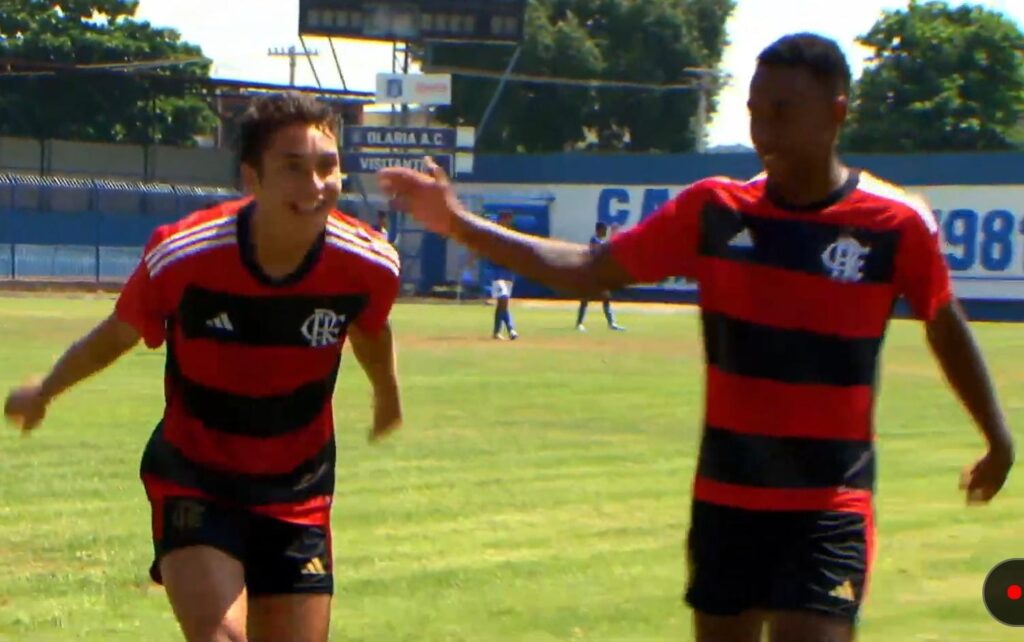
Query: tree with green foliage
941	79
656	42
60	99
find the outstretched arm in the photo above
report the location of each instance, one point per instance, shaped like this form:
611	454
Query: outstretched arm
953	344
26	406
568	267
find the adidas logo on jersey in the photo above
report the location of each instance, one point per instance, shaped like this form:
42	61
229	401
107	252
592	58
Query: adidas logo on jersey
743	240
221	322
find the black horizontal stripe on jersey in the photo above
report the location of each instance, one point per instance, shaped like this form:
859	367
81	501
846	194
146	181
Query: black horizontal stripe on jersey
785	462
254	416
789	356
279	321
312	478
792	244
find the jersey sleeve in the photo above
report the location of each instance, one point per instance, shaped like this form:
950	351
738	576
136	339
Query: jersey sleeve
142	303
665	244
383	287
921	273
383	283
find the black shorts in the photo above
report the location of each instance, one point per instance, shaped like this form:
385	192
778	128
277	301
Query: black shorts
777	561
279	557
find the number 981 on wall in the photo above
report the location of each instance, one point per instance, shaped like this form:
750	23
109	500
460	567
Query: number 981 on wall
982	243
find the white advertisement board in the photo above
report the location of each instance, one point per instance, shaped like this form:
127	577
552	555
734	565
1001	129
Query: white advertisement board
414	89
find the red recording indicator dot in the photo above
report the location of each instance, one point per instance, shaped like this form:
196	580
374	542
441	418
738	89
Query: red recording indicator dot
1014	592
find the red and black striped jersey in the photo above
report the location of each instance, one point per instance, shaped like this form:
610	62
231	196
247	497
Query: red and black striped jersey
252	360
794	303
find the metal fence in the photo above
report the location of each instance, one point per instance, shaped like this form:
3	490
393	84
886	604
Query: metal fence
77	263
65	228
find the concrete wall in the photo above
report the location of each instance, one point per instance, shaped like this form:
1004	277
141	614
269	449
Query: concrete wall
20	154
92	159
182	166
192	166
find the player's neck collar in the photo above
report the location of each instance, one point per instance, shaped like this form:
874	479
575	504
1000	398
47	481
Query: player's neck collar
247	249
838	194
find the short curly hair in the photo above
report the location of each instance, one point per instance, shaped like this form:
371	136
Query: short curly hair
269	114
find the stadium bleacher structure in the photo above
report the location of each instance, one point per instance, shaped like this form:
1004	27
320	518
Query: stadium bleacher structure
56	227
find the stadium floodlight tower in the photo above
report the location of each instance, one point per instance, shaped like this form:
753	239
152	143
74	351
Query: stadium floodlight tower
487	21
415	23
419	22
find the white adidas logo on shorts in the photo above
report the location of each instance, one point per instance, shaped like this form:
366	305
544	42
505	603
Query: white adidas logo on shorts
221	322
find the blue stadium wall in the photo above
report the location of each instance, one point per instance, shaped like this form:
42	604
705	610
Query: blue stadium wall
978	199
65	228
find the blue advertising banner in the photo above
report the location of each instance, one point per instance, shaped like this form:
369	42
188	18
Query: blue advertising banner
369	163
399	137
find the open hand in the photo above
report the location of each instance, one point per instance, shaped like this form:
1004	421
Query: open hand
428	197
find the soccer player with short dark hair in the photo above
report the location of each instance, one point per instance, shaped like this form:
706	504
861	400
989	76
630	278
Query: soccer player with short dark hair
255	299
799	270
599	238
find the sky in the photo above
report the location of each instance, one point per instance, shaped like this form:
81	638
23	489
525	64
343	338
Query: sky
237	34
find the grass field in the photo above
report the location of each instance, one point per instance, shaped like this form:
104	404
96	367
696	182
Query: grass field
538	492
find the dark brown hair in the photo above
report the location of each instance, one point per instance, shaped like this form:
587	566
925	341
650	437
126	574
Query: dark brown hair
819	55
269	114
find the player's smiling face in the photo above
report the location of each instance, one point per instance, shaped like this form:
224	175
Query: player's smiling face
300	174
794	119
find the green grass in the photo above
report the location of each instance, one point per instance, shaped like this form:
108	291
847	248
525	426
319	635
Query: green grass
538	492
